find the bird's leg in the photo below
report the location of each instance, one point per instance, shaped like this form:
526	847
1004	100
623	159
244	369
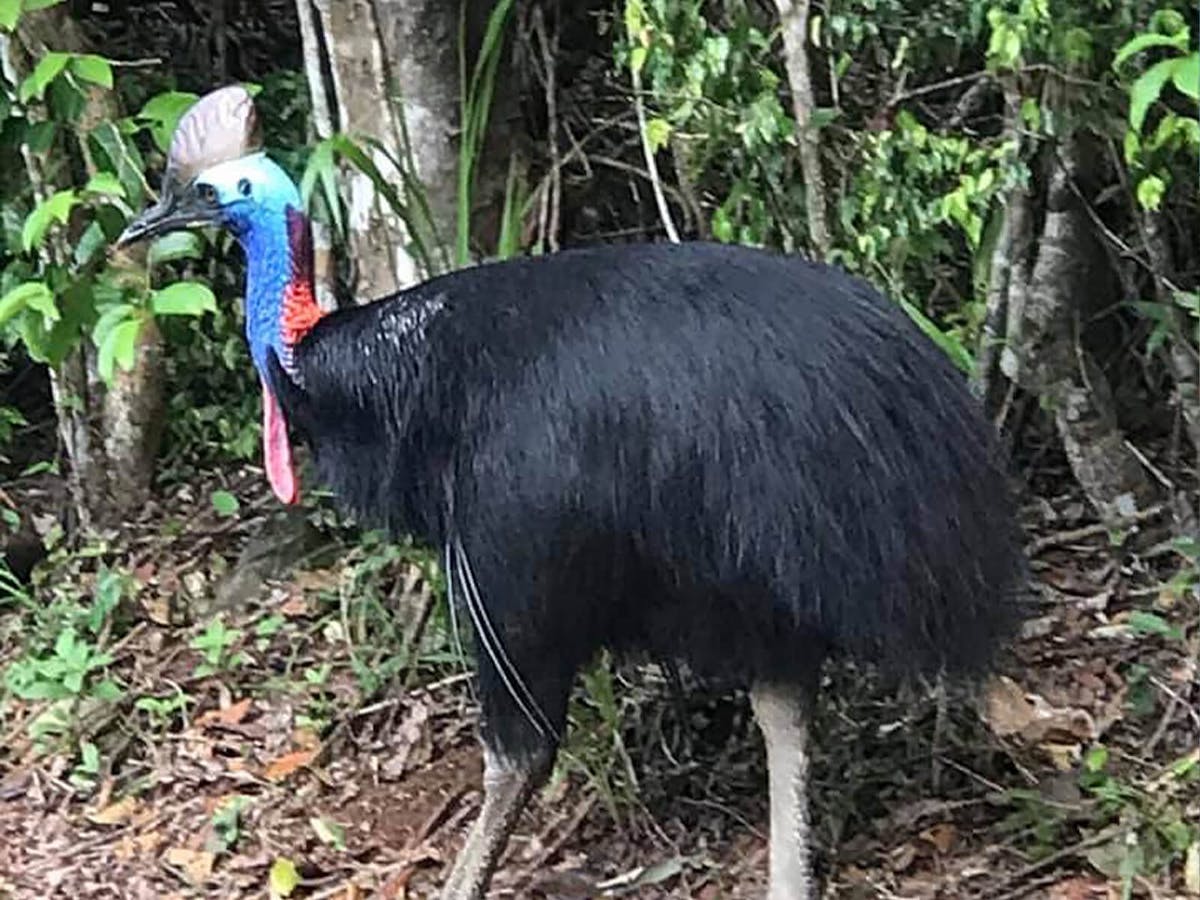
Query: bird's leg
507	786
782	711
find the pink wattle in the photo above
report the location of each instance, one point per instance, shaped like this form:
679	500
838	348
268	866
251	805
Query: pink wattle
277	452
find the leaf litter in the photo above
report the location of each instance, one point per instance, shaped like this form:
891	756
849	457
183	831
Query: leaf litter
285	771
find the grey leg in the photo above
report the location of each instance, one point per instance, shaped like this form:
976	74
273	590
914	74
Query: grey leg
507	788
781	711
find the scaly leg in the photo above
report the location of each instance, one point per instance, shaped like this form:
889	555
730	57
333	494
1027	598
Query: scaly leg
507	788
781	711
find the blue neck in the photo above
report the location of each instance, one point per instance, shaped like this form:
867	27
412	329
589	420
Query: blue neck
268	271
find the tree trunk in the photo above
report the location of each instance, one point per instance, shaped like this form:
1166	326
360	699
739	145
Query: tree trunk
392	76
793	16
1181	356
1045	353
109	434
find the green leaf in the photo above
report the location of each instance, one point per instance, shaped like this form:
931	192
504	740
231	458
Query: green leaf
43	303
329	832
123	158
658	133
173	246
1150	192
225	503
56	208
47	69
637	59
185	298
162	113
1142	622
950	345
119	347
89	757
1096	759
1146	90
105	183
1187	75
283	877
94	69
1189	300
322	168
1142	42
10	13
23	296
110	319
35	5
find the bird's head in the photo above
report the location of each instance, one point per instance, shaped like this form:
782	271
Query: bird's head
218	175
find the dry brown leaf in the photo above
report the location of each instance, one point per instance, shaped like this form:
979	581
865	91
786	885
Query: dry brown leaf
306	739
150	841
115	813
1065	757
1191	869
900	858
942	836
230	715
294	606
158	609
1012	711
1080	888
124	849
197	865
316	580
285	765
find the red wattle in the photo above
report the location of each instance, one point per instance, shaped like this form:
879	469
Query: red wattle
277	452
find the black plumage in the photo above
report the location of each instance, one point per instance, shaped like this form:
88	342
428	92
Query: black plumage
742	460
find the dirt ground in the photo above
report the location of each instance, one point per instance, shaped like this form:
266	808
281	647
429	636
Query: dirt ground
287	770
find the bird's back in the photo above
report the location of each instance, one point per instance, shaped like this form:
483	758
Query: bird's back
693	449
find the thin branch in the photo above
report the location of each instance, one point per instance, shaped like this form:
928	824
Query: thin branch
664	211
793	16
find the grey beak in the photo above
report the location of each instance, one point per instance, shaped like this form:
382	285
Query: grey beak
175	210
142	226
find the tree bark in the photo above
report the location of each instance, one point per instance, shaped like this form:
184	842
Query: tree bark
1182	346
393	77
109	434
793	16
1045	352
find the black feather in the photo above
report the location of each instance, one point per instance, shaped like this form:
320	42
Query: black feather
738	459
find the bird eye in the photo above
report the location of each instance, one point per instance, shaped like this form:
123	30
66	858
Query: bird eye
244	187
208	193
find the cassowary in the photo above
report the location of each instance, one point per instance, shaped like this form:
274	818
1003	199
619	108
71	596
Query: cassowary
699	452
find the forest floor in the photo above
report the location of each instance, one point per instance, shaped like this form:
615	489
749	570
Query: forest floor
206	729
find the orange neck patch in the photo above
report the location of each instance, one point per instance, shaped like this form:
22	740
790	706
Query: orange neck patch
299	311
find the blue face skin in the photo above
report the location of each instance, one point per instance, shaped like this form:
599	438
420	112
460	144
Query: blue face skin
253	194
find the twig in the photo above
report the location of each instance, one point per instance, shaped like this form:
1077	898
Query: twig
664	211
551	199
550	850
147	63
1076	534
1045	862
794	22
945	85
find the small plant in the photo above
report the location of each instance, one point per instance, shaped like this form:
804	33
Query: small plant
162	710
1148	821
226	823
63	673
216	643
86	773
595	745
